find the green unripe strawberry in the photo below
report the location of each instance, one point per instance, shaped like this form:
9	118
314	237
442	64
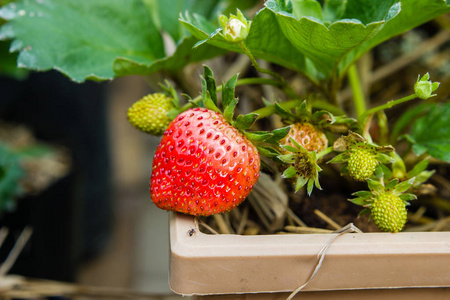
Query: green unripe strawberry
362	163
361	157
388	212
386	203
149	114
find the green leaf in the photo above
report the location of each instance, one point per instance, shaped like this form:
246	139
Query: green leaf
326	46
306	8
102	39
166	14
431	133
183	55
82	38
323	50
265	41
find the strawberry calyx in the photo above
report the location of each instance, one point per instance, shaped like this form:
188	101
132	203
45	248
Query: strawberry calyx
361	159
303	165
266	142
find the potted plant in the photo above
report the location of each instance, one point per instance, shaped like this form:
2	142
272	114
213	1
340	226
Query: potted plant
282	150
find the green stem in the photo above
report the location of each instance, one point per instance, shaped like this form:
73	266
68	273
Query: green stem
358	95
283	84
270	110
387	105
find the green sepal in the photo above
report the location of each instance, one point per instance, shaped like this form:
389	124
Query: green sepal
173	113
363	194
408	197
310	187
286	115
228	91
323	117
287	158
289	172
340	158
365	211
244	122
316	179
278	134
375	186
359	201
378	171
391	184
418	168
344	170
289	148
387	173
268	152
206	97
169	89
299	147
210	83
384	158
228	111
423	176
404	186
258	136
301	181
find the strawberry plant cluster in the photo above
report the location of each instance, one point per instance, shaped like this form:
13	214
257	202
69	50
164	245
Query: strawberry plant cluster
210	158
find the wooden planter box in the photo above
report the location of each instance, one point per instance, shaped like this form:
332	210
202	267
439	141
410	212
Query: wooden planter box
204	264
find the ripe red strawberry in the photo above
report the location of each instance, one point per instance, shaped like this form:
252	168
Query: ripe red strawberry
307	135
203	165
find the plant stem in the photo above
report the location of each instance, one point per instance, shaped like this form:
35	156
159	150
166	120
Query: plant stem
358	95
387	105
283	84
270	110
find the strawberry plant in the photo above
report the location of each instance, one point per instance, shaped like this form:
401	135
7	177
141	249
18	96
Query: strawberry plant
305	133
